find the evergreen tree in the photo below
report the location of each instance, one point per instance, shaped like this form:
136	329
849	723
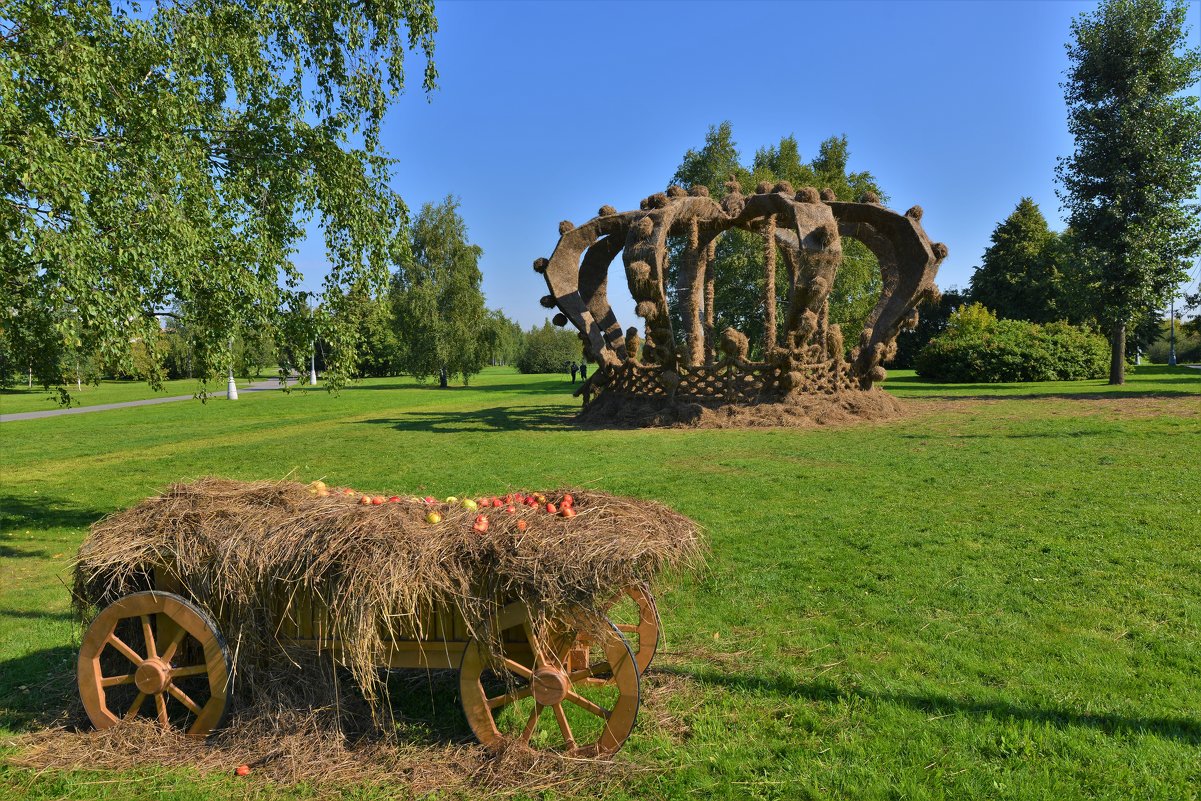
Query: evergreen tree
1018	278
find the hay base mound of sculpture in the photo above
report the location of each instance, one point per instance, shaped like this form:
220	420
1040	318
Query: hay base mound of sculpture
806	411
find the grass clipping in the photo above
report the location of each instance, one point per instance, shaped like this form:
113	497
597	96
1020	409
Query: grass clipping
250	554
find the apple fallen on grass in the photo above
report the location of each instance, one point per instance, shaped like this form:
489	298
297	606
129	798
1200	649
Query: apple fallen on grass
242	770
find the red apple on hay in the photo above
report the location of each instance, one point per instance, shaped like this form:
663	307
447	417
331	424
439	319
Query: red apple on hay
511	509
481	524
430	499
377	500
550	507
496	503
365	500
567	500
394	499
567	511
521	525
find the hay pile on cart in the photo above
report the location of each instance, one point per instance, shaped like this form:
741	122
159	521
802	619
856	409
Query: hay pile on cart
210	589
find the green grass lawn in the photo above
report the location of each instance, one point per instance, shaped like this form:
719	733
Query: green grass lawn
20	399
996	597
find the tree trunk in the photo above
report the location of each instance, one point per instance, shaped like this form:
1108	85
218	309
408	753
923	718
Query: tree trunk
442	378
1117	349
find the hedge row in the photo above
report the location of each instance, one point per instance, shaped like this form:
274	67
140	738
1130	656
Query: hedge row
977	347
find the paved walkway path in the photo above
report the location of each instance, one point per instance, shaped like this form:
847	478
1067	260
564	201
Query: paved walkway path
258	386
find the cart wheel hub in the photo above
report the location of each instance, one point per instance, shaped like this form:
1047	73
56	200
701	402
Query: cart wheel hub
152	676
550	686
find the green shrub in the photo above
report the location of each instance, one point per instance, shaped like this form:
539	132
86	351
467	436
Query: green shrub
548	350
977	347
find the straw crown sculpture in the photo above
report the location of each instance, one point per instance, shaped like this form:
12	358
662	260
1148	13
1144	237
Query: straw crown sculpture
697	364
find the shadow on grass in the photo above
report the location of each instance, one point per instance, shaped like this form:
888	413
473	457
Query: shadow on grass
1160	394
563	389
25	614
39	690
1187	730
44	512
498	418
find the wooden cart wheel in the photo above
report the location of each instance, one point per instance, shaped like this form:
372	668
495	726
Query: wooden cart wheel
159	646
634	613
541	702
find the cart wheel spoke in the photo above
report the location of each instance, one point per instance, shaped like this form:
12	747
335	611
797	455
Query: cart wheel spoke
124	649
173	646
585	674
113	681
531	724
160	704
148	636
509	698
587	705
184	699
190	670
138	700
518	668
563	727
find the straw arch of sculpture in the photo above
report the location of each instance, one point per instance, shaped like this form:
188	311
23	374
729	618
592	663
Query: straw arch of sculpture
804	228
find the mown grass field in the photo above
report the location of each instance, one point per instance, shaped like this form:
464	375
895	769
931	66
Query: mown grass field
996	597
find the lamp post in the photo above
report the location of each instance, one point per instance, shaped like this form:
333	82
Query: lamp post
232	388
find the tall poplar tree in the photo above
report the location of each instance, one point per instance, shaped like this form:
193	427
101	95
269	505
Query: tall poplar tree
1130	186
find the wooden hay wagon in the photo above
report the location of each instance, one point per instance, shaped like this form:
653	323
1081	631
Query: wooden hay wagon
566	682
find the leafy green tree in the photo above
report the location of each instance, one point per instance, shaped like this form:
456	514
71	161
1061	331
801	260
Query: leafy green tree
549	350
934	314
438	309
739	259
503	338
168	156
1130	184
1019	278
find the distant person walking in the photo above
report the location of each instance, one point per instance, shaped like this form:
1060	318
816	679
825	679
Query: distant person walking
574	369
583	370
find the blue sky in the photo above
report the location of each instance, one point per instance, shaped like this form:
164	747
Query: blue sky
548	110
